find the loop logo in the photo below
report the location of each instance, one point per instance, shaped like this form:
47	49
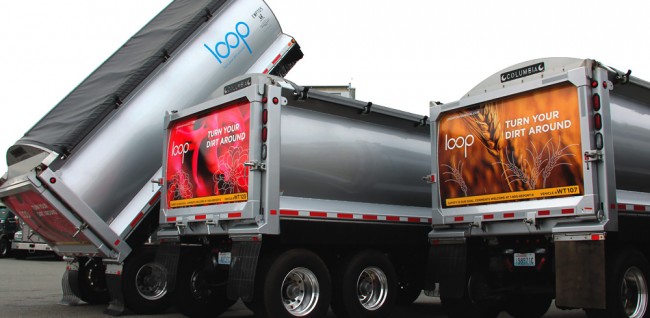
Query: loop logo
232	40
180	150
460	142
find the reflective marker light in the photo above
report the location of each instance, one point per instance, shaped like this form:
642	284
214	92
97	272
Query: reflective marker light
599	141
264	134
264	151
52	180
265	116
275	100
594	84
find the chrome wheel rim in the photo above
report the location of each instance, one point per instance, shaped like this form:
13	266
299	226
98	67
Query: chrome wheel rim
372	288
300	291
151	281
634	293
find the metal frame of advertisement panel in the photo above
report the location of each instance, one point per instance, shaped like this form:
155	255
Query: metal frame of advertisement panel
549	209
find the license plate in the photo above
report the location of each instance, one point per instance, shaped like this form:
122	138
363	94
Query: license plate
224	258
524	259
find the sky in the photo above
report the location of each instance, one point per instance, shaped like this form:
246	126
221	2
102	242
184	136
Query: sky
400	54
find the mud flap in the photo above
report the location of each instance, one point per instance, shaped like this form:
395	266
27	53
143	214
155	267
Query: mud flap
580	267
116	305
448	266
241	279
69	286
168	255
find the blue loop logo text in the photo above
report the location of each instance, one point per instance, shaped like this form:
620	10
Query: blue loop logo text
232	40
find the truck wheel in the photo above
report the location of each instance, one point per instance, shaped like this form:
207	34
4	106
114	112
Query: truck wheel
145	283
365	285
467	306
5	248
92	282
201	292
627	291
297	284
532	306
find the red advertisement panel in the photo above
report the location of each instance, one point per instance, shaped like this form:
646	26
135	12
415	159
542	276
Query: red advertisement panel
44	219
206	156
521	147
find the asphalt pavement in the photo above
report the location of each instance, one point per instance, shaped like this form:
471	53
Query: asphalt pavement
32	288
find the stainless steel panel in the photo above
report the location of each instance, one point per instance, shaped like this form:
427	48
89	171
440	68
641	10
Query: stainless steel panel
631	130
324	156
115	163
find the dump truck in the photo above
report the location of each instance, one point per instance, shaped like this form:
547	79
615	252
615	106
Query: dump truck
539	192
81	176
293	199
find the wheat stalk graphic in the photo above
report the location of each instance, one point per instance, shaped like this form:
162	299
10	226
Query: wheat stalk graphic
457	176
555	154
542	166
485	124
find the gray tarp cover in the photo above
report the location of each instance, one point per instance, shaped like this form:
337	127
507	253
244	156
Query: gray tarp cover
104	90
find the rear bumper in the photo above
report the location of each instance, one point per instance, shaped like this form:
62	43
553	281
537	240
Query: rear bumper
30	246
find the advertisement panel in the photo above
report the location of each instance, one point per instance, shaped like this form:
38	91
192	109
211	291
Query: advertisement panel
44	219
522	147
205	158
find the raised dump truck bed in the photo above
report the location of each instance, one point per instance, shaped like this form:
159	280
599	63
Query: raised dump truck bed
81	176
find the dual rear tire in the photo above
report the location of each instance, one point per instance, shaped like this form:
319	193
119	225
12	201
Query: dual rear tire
145	283
365	286
627	287
297	283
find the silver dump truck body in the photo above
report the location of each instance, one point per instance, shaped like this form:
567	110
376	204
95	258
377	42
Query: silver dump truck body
81	176
540	187
241	163
539	151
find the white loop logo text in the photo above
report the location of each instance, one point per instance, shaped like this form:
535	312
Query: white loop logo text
180	150
459	142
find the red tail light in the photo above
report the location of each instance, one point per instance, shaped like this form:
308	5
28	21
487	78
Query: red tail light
596	102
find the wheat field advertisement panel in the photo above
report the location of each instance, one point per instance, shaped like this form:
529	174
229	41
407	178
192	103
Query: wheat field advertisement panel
205	158
522	147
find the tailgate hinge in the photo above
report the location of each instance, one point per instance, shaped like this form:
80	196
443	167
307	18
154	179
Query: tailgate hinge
592	156
255	165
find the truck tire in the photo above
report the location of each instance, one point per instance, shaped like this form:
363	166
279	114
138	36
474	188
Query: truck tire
529	306
409	285
467	306
201	292
297	284
365	286
5	248
145	283
627	287
92	282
